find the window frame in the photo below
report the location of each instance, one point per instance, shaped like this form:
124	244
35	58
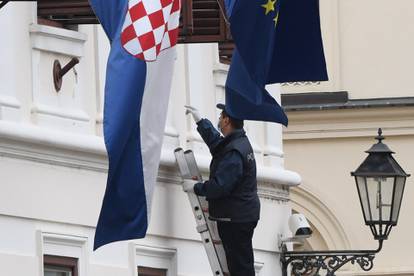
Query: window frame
61	261
63	245
151	271
153	257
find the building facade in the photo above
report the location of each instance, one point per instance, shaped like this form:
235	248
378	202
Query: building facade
53	161
368	46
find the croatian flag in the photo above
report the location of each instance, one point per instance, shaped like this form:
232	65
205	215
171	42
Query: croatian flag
137	88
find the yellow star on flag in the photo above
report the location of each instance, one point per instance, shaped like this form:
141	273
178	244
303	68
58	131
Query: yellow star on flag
269	6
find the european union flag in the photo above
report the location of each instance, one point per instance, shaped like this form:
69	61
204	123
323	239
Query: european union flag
276	41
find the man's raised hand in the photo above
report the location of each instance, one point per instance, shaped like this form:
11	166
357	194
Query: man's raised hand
194	112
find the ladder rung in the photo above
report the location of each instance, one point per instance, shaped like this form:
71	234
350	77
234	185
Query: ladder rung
217	242
202	228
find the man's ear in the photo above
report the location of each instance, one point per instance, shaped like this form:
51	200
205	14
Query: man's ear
227	120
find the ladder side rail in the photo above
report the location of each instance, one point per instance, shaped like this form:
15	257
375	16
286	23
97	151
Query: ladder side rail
205	227
192	165
182	163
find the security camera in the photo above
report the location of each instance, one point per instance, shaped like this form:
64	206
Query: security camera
299	226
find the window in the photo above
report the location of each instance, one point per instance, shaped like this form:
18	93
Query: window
63	255
60	266
154	261
149	271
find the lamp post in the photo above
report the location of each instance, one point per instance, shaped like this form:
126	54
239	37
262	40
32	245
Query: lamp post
380	182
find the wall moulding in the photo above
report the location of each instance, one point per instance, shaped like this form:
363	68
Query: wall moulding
396	121
153	256
308	202
57	40
9	107
74	114
220	75
39	144
9	101
58	244
59	148
273	192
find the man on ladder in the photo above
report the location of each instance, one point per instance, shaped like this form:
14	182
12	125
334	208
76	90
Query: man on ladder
231	190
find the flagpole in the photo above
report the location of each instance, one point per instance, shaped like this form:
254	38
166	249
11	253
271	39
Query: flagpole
2	4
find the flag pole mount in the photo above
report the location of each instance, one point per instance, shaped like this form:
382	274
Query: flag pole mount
59	72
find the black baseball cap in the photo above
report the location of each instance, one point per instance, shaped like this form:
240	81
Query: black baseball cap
221	106
236	122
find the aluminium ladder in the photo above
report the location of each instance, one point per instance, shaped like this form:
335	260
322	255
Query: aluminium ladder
207	228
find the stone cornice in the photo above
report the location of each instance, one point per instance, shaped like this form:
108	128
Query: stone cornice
42	145
343	123
32	143
57	40
315	101
273	192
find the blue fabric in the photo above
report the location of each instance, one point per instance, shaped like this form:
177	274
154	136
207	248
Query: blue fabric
268	52
246	99
123	215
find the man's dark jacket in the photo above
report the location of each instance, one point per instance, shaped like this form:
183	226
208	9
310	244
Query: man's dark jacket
232	186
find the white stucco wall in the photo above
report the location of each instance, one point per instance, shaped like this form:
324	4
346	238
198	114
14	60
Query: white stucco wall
53	161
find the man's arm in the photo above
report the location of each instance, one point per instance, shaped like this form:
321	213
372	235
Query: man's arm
229	172
209	134
207	131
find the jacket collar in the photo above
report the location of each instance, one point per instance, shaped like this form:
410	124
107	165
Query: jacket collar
235	134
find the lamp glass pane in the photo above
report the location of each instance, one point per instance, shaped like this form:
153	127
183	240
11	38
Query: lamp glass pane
363	197
373	190
380	191
399	190
385	200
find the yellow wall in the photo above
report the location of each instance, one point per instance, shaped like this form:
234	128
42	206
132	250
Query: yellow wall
369	46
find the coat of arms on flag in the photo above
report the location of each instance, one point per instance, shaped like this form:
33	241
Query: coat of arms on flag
150	27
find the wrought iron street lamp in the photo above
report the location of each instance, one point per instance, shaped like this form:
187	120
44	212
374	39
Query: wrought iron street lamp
380	182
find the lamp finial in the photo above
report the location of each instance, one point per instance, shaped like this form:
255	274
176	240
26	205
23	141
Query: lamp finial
380	137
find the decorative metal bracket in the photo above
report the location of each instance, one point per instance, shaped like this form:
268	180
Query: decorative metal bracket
312	262
59	72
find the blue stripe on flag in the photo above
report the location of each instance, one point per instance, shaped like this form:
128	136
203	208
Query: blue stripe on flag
124	210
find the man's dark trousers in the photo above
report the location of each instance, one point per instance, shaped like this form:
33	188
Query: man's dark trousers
237	243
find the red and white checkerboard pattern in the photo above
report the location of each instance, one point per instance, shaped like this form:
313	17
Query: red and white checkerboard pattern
150	26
